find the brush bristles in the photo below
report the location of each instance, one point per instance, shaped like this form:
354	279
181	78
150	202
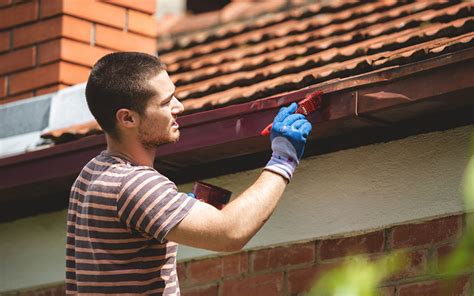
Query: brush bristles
310	103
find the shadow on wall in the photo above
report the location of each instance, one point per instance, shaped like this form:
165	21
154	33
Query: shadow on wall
363	276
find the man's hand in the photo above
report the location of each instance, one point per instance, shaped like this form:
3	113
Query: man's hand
232	227
288	136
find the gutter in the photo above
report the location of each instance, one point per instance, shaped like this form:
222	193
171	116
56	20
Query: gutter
377	99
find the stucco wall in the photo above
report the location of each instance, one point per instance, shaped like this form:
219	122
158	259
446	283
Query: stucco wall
348	191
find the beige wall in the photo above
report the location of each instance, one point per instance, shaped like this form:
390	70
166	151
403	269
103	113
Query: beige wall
364	188
348	191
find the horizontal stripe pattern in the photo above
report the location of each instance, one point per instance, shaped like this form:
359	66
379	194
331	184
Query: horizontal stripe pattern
118	217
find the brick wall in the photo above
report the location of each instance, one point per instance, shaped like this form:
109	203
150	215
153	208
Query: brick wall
46	45
292	269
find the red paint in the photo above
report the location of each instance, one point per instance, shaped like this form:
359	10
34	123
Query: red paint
213	195
308	105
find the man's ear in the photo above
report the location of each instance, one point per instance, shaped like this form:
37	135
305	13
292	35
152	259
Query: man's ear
126	118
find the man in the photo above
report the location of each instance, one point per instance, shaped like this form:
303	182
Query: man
125	219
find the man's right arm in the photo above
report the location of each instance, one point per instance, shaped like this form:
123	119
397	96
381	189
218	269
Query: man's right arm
232	227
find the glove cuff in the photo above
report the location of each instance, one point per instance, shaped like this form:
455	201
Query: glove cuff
281	165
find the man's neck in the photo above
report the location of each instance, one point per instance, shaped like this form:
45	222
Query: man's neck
131	150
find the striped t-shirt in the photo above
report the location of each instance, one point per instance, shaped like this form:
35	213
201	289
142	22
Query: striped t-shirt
119	215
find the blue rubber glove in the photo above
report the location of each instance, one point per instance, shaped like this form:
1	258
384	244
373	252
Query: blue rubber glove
288	137
191	194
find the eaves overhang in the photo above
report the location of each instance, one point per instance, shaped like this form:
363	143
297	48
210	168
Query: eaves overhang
377	99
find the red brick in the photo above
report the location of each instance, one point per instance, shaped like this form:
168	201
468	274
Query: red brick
96	11
124	41
3	86
4	41
37	32
206	270
303	279
367	243
282	256
81	53
235	264
142	23
65	26
72	74
181	271
148	6
35	78
211	290
55	290
458	287
50	89
265	284
435	231
25	95
70	51
76	29
4	3
386	291
416	264
443	253
17	60
49	51
51	7
86	9
18	14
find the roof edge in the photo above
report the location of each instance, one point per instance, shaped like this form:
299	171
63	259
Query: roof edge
362	100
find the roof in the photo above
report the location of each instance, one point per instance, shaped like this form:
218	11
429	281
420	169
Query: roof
387	69
176	26
285	51
307	45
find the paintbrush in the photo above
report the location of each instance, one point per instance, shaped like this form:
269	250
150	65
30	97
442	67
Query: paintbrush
306	106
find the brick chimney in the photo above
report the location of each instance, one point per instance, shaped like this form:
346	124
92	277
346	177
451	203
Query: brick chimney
47	45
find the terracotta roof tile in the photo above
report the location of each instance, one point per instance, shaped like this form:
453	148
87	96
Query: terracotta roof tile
352	27
290	27
266	20
312	76
245	69
312	44
73	132
216	22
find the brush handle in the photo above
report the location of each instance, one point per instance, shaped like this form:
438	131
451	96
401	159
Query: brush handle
266	131
306	106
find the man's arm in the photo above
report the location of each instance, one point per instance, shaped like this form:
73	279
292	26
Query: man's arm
232	227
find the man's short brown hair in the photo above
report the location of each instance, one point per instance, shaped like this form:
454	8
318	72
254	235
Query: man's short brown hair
120	80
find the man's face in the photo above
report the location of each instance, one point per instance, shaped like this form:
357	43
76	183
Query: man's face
158	124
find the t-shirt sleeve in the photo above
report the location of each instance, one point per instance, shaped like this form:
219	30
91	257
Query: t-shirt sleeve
150	203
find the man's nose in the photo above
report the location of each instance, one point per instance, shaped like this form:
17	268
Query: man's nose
178	107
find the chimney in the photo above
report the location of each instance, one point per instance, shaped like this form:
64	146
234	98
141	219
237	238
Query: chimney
47	45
